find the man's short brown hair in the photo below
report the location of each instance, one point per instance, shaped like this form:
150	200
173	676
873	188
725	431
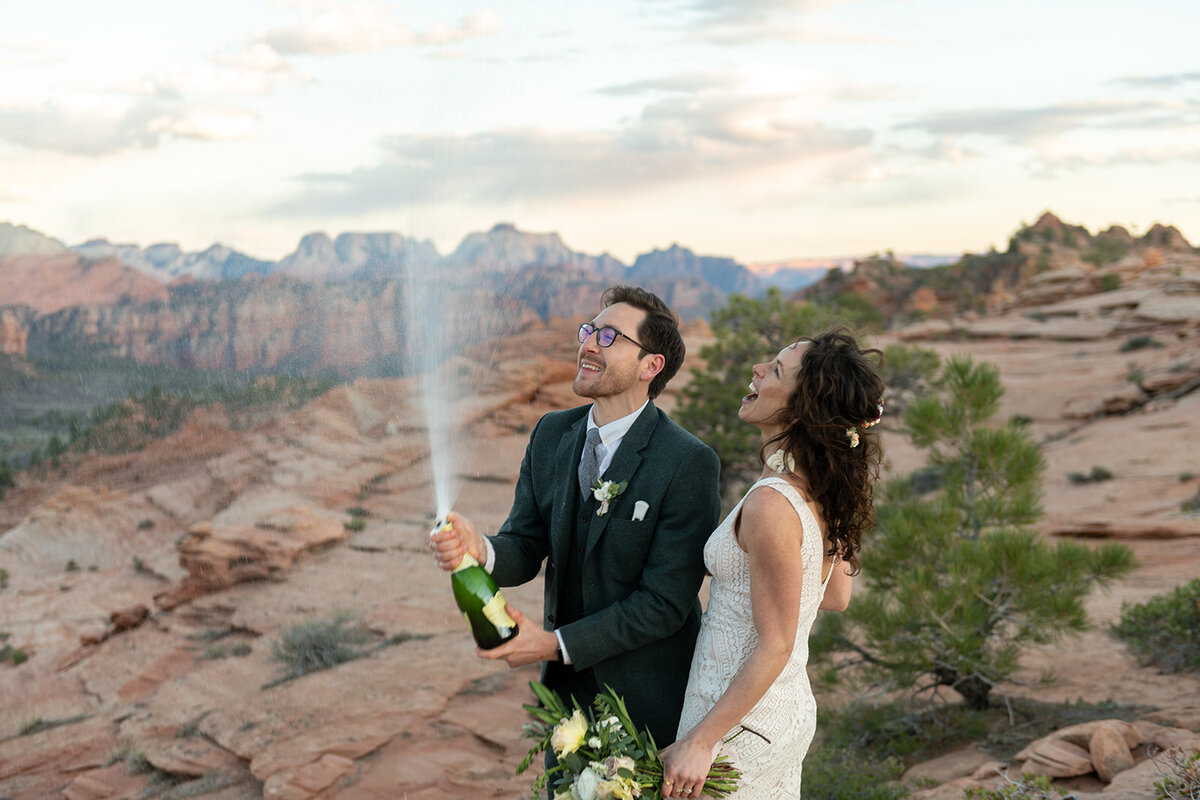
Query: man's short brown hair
658	332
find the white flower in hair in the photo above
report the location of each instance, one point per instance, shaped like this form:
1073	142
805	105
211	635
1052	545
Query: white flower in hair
781	461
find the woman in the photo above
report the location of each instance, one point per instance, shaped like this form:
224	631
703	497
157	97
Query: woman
789	547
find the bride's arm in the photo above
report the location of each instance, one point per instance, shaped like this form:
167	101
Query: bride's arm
771	533
837	593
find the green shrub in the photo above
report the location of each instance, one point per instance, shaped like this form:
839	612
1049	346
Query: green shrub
72	565
1105	250
1110	282
18	656
3	578
355	524
145	525
1165	630
1027	788
314	645
1097	475
1139	342
1192	504
836	774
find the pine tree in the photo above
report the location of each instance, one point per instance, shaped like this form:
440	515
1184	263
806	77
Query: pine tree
955	583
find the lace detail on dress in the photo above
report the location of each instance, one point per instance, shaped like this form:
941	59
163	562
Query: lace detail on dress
771	740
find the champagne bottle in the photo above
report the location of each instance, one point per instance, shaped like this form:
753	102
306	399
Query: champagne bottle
481	602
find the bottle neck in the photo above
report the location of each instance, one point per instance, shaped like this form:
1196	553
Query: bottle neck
467	561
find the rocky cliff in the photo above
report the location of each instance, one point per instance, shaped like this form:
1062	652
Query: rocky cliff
347	328
1046	262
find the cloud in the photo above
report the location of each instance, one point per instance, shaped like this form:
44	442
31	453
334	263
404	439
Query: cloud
675	140
207	123
1047	166
745	12
336	28
944	150
749	22
97	126
683	83
1029	126
253	70
27	52
1158	81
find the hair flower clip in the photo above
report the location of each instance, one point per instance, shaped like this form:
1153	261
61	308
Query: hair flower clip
781	461
852	435
878	416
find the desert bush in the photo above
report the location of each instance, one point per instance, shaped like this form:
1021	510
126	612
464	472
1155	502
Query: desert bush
355	524
1192	504
1105	250
908	373
1164	630
1097	475
1139	342
1110	282
3	578
1181	778
836	774
955	584
145	524
72	565
319	644
1025	788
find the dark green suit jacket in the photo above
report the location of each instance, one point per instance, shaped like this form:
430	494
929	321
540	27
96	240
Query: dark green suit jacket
639	579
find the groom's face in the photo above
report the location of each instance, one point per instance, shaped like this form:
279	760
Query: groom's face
613	370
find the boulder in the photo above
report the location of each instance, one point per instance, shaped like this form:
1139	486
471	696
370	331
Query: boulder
1055	758
1109	751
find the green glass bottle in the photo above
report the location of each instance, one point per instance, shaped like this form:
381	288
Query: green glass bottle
481	602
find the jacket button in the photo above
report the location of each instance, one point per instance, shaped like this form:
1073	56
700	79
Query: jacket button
550	618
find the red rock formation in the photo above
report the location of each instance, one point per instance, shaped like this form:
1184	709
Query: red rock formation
53	283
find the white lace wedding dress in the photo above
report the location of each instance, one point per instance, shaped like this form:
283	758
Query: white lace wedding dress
771	740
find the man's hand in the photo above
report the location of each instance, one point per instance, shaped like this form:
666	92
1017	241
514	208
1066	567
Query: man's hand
450	545
531	645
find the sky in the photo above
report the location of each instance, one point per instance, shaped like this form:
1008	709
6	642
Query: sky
764	130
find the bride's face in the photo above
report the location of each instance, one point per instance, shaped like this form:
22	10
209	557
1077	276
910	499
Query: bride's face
773	382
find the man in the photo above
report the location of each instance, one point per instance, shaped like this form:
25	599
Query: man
622	577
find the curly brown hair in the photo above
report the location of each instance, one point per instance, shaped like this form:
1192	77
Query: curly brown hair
838	387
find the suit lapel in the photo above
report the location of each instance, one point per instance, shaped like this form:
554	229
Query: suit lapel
624	466
570	449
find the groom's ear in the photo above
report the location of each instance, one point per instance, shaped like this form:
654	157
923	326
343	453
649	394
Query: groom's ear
652	365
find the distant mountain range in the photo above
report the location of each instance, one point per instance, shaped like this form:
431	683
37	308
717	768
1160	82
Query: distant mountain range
342	304
503	249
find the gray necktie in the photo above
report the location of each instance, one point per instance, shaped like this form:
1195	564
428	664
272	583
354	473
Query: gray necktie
589	465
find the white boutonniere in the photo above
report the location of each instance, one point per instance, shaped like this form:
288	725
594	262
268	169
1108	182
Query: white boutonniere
605	491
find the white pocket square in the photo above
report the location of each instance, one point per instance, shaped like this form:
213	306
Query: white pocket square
639	510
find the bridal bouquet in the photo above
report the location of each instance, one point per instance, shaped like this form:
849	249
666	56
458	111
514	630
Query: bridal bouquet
601	755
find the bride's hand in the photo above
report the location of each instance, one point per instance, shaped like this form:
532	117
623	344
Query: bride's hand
685	768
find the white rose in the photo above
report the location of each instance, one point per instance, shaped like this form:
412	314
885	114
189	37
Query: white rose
586	784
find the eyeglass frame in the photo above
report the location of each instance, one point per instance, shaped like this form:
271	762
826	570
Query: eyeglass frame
583	337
